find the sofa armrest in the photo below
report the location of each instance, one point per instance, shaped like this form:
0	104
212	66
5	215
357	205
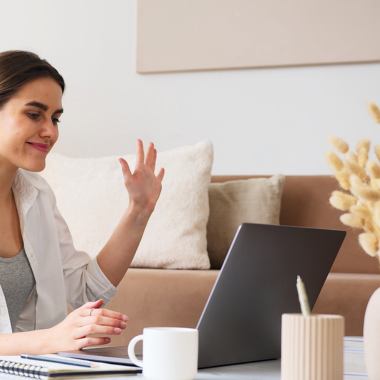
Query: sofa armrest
347	294
161	297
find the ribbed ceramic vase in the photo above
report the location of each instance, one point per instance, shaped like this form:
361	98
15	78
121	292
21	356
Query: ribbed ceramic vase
371	335
312	347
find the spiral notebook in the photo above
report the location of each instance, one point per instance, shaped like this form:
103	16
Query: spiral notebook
14	365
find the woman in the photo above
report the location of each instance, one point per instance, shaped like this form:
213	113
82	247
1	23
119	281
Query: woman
40	270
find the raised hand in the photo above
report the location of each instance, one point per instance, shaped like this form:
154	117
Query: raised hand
143	186
72	333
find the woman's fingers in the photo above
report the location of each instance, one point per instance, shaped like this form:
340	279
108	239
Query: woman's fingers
90	305
139	153
92	341
102	312
160	175
72	333
96	329
149	156
149	161
126	170
153	165
103	321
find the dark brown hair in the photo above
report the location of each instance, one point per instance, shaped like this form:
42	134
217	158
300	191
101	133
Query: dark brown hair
18	67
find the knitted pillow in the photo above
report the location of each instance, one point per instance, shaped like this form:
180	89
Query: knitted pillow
92	198
256	200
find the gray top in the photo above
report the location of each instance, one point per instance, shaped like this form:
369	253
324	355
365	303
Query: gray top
17	281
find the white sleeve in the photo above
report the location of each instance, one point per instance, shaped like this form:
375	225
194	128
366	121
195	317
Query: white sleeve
84	280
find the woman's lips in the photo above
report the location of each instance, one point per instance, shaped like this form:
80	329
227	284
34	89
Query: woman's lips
41	147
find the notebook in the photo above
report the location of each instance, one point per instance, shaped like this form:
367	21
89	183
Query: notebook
45	370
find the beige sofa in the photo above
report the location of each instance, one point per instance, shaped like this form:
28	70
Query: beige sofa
166	297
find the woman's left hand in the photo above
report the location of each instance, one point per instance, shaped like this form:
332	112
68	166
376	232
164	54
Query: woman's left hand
143	186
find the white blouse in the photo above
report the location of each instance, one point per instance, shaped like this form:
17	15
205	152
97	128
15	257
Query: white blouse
64	276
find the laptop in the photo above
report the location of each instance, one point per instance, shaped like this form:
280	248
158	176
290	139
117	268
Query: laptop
241	321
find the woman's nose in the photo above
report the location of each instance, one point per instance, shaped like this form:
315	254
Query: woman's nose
49	130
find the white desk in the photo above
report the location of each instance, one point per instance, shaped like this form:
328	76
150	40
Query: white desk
354	368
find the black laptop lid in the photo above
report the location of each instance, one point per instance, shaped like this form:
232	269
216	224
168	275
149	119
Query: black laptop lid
241	321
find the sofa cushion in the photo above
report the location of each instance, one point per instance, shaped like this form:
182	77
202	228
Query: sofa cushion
232	203
92	198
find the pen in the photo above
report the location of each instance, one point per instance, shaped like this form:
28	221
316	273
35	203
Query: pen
56	360
302	297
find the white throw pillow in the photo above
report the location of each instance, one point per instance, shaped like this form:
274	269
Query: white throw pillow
92	198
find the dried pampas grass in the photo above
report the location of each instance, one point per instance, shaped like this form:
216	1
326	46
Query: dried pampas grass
338	144
369	243
376	214
352	220
366	194
363	144
335	162
357	169
361	177
373	169
351	156
342	201
355	181
377	151
343	177
374	112
362	156
360	211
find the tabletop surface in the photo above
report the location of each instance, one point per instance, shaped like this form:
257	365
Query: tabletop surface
354	368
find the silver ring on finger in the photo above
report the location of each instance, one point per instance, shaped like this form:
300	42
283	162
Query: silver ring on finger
91	311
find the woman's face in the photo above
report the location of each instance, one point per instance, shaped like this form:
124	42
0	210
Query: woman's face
29	125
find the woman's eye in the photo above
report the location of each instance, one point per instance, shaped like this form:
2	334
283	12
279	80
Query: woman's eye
33	116
56	121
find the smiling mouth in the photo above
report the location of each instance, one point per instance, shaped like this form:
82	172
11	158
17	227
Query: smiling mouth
40	147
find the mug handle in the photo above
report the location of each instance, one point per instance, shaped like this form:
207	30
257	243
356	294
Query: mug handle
131	350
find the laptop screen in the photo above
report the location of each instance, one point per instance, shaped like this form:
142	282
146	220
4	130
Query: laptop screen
241	321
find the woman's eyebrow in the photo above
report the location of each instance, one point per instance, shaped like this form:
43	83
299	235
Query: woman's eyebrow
42	106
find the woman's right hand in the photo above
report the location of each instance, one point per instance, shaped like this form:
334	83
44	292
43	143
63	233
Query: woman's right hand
72	333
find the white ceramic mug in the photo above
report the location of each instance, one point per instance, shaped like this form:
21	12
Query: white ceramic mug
169	353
